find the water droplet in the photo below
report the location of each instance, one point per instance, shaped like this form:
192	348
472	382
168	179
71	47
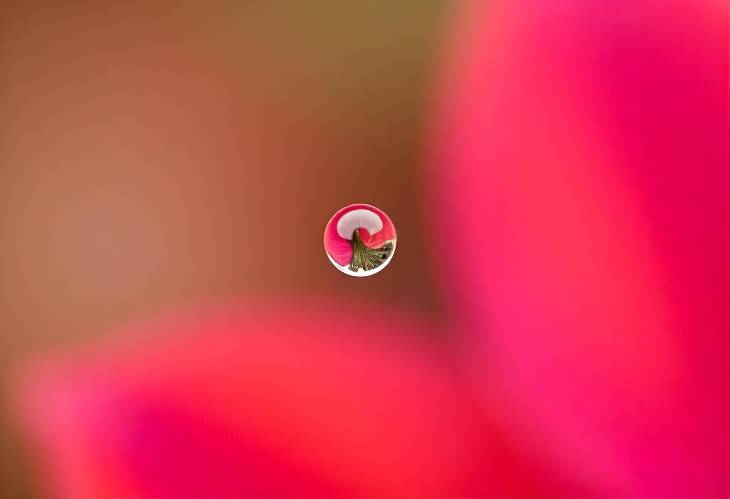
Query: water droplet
360	240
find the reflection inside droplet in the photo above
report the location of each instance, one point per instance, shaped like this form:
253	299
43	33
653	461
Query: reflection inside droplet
360	240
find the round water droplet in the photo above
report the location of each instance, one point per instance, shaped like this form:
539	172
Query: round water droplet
360	240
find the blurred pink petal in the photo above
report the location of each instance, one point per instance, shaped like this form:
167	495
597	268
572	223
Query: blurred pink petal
582	150
288	401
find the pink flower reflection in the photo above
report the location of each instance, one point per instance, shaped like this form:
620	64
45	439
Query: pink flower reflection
339	246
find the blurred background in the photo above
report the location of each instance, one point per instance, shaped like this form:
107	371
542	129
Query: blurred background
553	324
155	155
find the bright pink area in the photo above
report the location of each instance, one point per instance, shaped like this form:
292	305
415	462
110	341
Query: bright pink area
340	249
582	148
284	400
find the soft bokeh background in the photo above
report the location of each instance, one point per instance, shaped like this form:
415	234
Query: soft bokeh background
554	322
155	155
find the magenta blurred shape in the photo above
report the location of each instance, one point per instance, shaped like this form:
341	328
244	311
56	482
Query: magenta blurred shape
579	181
276	400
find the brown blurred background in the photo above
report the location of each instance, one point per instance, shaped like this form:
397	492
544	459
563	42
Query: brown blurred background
162	155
